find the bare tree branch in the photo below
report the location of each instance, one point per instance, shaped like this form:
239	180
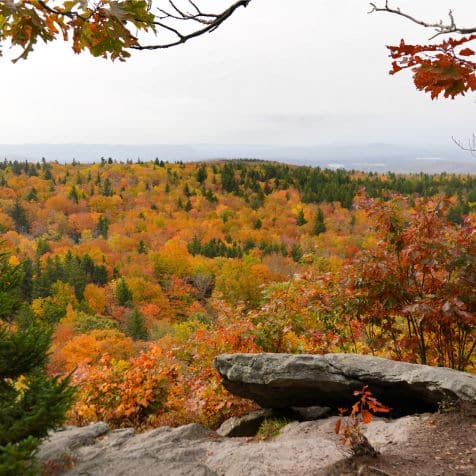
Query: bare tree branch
441	27
211	22
470	147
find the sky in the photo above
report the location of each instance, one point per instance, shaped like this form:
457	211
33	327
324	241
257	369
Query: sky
280	72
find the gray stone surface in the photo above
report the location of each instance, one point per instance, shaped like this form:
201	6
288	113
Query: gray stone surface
61	444
301	449
285	380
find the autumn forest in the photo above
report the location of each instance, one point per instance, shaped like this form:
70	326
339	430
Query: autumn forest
144	272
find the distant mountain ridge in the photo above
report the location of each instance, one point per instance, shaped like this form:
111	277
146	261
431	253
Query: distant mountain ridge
366	157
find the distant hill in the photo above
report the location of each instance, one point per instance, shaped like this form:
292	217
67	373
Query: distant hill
366	157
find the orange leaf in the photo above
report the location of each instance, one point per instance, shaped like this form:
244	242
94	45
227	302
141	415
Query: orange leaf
467	52
338	425
366	416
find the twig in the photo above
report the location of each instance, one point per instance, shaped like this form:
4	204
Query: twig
441	28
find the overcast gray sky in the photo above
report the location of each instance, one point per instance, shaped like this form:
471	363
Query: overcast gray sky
294	72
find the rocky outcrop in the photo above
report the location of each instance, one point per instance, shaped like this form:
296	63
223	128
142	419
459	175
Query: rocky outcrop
286	380
302	449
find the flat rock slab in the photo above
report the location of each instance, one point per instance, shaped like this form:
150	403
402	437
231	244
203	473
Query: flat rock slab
301	449
288	380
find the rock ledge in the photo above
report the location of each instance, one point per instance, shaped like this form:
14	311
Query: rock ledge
286	380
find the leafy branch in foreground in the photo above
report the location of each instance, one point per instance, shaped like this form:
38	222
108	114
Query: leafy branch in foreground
107	28
447	68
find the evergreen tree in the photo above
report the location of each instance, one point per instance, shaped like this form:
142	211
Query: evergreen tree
186	190
102	228
318	226
136	326
26	286
107	188
301	219
257	224
195	246
42	246
31	403
48	175
32	195
228	180
123	293
296	252
141	248
74	194
202	174
18	214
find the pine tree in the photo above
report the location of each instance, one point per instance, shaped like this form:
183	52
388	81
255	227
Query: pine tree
32	195
107	188
195	246
31	403
301	219
74	194
123	293
136	326
102	228
319	226
296	252
202	174
141	248
18	214
257	224
186	191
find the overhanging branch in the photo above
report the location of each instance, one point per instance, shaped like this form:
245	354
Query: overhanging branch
209	22
441	28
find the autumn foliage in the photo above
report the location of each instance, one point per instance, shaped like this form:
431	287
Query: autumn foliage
362	412
146	271
447	68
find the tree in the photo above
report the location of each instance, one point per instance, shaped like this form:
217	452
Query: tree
136	326
415	287
202	174
102	227
31	403
18	214
296	252
141	248
301	219
318	225
32	195
123	293
107	188
106	28
447	68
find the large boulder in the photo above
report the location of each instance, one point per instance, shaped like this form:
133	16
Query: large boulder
286	380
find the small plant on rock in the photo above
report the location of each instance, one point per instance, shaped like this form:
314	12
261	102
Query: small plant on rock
350	427
271	428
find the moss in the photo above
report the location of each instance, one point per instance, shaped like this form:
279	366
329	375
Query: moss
270	428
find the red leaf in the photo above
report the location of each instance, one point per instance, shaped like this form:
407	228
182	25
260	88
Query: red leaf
467	52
